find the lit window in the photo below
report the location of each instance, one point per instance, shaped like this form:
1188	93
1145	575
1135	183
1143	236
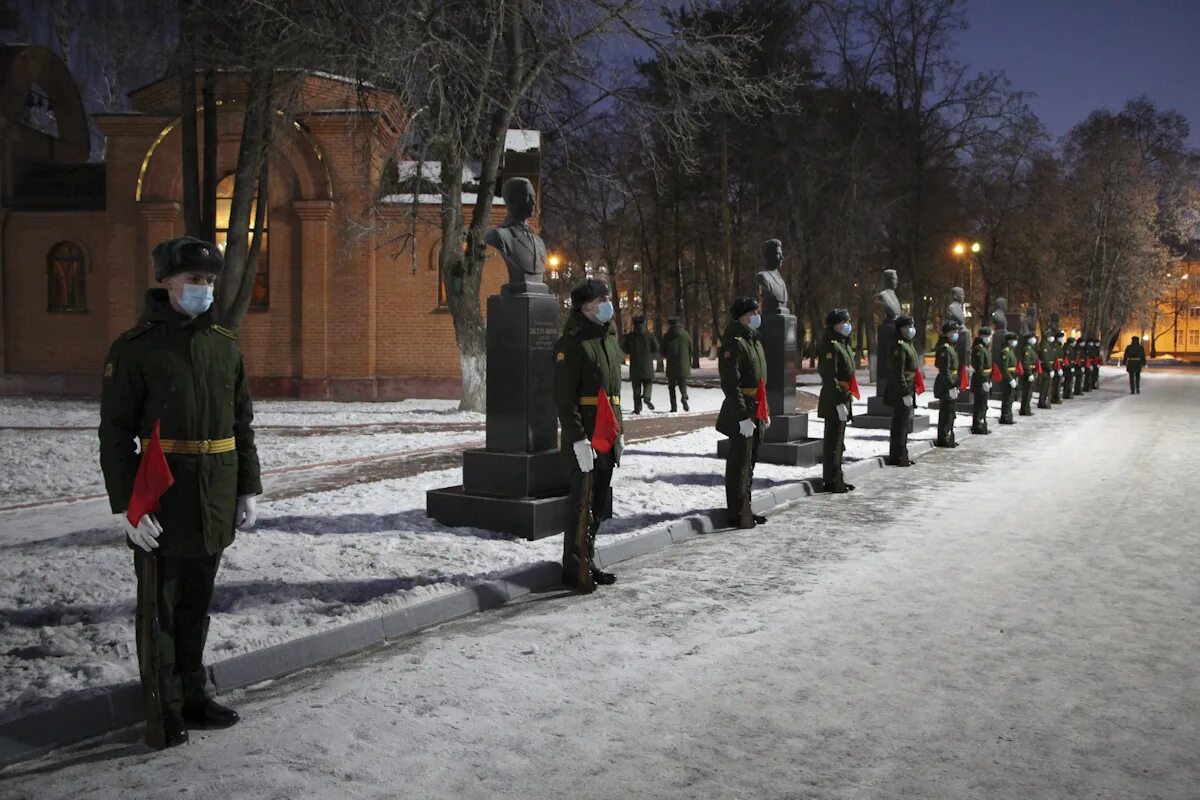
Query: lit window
435	254
261	297
1193	337
66	268
1195	312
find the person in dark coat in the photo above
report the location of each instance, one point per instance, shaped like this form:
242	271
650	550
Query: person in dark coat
1135	359
677	347
641	348
945	385
180	369
901	392
836	403
743	365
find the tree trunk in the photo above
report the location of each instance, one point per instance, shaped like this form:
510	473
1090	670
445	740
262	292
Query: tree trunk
208	192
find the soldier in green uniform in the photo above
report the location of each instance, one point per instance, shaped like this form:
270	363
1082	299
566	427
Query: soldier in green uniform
981	379
1029	362
743	364
900	392
1046	360
1097	359
587	359
1008	371
1056	359
180	369
641	348
1135	359
1079	365
677	346
1070	353
835	405
945	385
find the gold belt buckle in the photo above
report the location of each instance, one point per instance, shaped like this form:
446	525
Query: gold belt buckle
205	446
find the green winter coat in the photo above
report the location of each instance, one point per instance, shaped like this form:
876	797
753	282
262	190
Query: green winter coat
642	348
902	369
742	365
836	367
1047	355
1070	353
586	358
1135	357
981	364
1008	363
1029	360
188	375
946	360
677	347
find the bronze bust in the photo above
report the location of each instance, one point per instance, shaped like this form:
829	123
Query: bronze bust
523	251
773	289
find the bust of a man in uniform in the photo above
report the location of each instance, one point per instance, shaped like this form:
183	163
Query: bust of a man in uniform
523	251
955	310
887	298
774	292
1029	322
1000	317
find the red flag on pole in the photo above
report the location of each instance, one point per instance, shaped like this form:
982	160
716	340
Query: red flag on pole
762	411
152	480
919	381
1058	363
1039	367
1020	369
996	375
963	383
854	386
604	435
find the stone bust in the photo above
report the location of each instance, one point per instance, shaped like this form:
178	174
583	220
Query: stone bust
1029	322
1000	316
955	310
887	298
773	289
523	251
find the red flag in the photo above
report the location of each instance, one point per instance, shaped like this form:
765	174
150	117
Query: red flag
607	429
762	412
854	386
963	383
919	381
1039	366
152	480
1020	369
996	375
1058	363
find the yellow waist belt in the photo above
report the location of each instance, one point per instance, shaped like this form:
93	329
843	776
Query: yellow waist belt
748	390
595	401
206	447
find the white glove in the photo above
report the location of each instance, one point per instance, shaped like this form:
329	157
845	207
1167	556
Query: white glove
585	455
843	414
766	423
908	401
987	386
746	428
145	534
246	513
1013	383
953	393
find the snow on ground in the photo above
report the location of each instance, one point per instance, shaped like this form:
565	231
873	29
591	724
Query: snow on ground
322	559
915	639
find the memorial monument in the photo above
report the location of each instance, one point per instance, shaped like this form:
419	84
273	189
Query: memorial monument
879	413
786	441
955	312
517	483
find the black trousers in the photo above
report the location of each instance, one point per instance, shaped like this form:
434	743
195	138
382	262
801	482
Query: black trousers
1135	382
1079	381
1068	384
1095	377
185	590
672	385
945	425
601	483
833	447
1007	393
901	420
979	409
1056	389
1027	395
641	394
1044	386
735	460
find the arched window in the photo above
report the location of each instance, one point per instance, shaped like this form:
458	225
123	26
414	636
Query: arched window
435	253
66	278
261	297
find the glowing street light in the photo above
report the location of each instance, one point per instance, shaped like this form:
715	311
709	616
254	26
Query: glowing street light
959	248
976	247
554	261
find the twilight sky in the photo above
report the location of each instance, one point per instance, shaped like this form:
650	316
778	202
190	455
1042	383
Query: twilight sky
1079	55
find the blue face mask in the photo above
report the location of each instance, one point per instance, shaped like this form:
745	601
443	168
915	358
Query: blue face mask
755	321
845	328
195	298
908	333
954	337
604	311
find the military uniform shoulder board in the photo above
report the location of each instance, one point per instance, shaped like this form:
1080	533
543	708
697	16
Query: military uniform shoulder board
225	332
133	333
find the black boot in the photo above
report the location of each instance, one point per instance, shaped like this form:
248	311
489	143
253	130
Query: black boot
685	405
209	714
176	732
602	578
649	405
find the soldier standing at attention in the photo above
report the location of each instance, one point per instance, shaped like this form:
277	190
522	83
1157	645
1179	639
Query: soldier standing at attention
901	390
179	369
642	348
1008	369
1135	359
835	405
677	346
1056	359
1046	360
981	379
587	359
1082	352
945	385
743	365
1097	360
1070	353
1029	362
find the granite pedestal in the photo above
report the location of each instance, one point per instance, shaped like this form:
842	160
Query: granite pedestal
964	405
879	415
517	484
786	441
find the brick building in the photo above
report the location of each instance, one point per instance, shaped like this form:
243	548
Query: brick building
348	302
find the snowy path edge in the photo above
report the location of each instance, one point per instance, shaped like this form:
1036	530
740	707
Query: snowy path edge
101	713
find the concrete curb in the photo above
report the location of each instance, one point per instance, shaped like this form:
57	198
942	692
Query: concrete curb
100	713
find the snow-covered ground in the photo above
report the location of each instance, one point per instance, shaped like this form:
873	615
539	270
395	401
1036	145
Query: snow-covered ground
1013	619
319	559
